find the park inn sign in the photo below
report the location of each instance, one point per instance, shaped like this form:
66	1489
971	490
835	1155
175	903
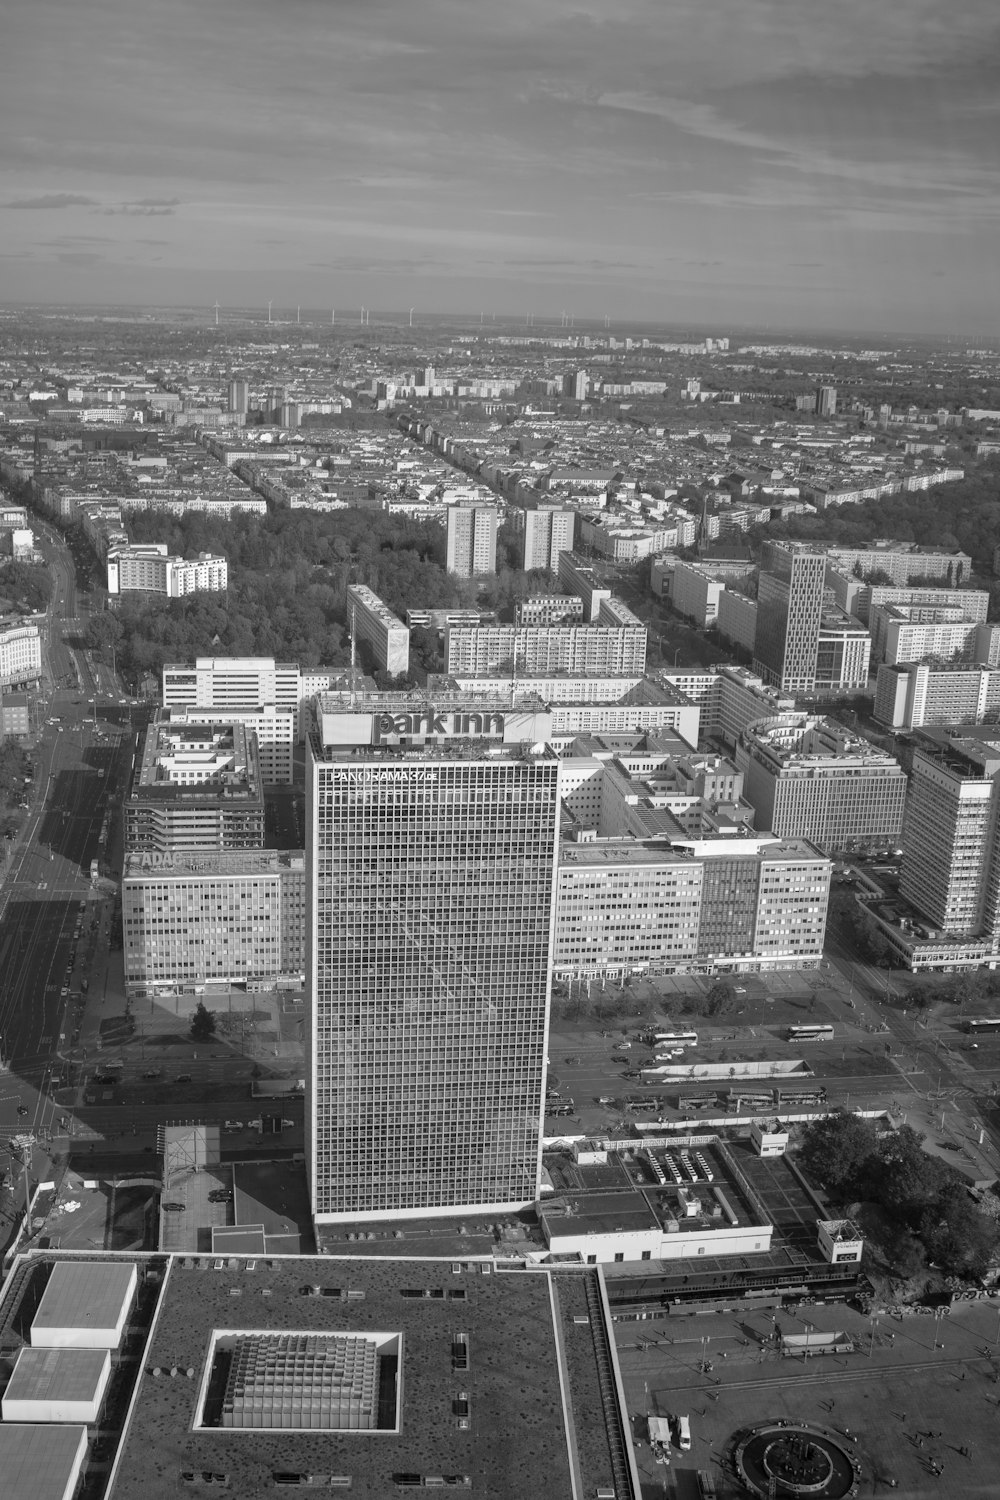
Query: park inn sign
431	723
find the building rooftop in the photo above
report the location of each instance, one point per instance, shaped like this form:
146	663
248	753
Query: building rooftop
39	1461
57	1375
482	1357
196	762
86	1295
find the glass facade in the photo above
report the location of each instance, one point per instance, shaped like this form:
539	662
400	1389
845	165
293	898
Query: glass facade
431	903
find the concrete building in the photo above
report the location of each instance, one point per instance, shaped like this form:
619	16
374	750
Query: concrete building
275	730
809	777
549	609
20	654
859	598
549	531
737	619
374	623
148	569
825	404
614	646
729	698
912	694
950	873
746	903
789	615
239	397
213	920
257	683
696	593
195	787
85	1305
909	633
63	1385
578	576
42	1461
432	854
903	562
472	539
398	1374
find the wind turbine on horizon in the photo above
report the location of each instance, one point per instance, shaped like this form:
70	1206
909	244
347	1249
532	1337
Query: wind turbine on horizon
216	314
269	306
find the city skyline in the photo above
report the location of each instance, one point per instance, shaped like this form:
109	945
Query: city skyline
762	164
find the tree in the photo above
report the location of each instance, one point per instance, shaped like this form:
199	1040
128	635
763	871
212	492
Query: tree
202	1024
903	1178
960	1237
837	1149
904	1253
720	998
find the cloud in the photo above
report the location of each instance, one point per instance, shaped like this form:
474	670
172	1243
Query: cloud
53	200
143	207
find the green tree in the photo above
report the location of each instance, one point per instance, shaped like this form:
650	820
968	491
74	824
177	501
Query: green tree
202	1024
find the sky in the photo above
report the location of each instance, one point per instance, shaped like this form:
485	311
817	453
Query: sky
827	164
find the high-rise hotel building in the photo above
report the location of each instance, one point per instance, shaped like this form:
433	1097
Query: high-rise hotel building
432	849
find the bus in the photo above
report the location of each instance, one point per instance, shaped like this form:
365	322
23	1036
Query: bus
817	1033
671	1039
988	1026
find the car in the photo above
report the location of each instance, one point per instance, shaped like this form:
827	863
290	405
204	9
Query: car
173	1208
64	991
153	1073
22	1109
183	1078
682	1432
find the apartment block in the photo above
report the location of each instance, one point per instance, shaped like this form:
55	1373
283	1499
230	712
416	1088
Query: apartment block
903	562
193	787
375	623
578	576
149	569
859	598
912	694
549	531
549	609
20	654
197	921
809	777
910	633
615	645
472	539
950	872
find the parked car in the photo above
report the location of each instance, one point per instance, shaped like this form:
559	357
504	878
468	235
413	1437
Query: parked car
183	1078
173	1208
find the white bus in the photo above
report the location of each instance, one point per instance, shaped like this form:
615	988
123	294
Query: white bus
672	1039
817	1033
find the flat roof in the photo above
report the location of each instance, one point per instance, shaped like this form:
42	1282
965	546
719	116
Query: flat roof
87	1294
468	1332
57	1375
39	1460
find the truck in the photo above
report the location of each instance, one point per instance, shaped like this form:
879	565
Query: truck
659	1438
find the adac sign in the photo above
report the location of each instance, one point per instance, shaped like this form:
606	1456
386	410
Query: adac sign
430	724
151	859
